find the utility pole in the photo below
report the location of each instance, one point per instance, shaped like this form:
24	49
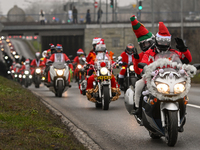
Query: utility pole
106	11
152	11
94	11
181	19
115	10
100	20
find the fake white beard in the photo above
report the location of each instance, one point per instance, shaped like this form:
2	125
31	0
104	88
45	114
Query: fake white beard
189	69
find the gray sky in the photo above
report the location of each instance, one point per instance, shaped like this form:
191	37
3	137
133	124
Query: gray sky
6	5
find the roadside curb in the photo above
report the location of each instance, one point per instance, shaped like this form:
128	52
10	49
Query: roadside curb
77	132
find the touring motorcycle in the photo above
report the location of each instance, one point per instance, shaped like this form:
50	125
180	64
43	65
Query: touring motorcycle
27	77
59	72
164	97
37	77
102	94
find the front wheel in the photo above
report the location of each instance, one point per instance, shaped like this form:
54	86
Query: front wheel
106	98
171	129
59	89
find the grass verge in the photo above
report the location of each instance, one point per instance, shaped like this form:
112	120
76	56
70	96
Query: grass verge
36	45
196	79
26	123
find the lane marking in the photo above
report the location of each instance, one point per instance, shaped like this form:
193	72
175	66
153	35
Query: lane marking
191	105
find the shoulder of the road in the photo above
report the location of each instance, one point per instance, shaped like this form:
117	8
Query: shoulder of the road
77	132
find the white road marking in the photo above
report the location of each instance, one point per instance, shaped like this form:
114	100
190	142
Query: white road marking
191	105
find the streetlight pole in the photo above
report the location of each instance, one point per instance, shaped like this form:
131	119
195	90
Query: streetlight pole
181	19
152	10
100	20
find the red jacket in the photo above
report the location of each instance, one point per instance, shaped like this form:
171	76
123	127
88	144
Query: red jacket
149	55
130	58
89	57
64	57
36	63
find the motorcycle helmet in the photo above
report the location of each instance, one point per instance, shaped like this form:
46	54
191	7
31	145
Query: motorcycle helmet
27	61
59	48
129	48
80	52
95	41
147	43
101	46
163	38
37	55
44	53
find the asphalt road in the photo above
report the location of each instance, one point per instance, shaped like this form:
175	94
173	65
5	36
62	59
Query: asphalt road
115	129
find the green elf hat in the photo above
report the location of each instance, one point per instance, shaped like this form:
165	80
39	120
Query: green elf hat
139	29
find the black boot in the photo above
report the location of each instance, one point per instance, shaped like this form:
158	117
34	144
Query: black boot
121	83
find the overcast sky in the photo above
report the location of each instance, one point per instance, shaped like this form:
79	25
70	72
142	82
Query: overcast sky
6	5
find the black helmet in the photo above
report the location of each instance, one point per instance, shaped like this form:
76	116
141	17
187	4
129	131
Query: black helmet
129	48
162	44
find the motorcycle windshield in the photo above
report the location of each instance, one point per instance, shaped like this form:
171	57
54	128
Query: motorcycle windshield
172	56
58	57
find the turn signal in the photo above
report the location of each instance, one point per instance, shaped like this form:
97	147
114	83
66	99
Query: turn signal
155	99
151	102
186	102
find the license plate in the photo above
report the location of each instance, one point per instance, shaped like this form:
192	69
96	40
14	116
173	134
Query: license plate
104	77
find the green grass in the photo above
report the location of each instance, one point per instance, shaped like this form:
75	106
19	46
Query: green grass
36	45
26	123
196	79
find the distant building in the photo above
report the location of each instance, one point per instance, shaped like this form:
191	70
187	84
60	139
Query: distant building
16	14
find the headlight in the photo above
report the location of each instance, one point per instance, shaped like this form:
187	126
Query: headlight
20	76
15	75
104	71
26	72
24	76
6	57
60	72
30	76
38	70
13	52
79	66
13	71
8	72
163	88
131	68
179	88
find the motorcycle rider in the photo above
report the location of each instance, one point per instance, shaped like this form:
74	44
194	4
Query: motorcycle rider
63	58
101	48
92	54
25	66
162	45
127	58
80	53
36	62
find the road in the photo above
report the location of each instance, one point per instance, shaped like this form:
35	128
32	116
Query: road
115	129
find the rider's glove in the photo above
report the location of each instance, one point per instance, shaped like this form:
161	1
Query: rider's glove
180	45
136	56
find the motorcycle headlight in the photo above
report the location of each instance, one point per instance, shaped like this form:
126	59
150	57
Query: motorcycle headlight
79	66
26	72
30	76
38	70
162	88
60	72
104	71
179	88
20	76
15	75
24	76
13	71
8	72
6	57
131	68
13	52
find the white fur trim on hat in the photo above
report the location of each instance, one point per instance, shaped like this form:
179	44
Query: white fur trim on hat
167	37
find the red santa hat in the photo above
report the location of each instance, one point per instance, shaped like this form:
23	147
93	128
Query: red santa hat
51	45
163	31
80	51
96	40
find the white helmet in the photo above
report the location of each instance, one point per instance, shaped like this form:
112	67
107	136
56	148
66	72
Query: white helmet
44	53
96	40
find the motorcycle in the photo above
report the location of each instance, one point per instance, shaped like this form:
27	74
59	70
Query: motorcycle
102	94
130	77
81	75
59	72
164	97
37	76
27	78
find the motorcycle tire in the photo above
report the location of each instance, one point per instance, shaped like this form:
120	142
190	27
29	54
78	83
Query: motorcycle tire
37	85
84	92
26	84
60	89
171	129
106	98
